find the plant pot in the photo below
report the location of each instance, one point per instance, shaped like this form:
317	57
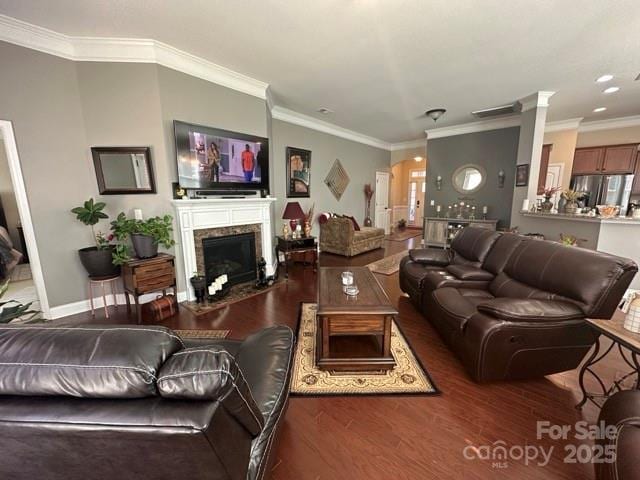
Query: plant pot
571	208
144	246
98	263
547	205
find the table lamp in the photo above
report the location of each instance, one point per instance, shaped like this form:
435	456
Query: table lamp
292	212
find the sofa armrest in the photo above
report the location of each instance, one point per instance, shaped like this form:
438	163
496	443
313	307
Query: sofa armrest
430	256
467	272
530	310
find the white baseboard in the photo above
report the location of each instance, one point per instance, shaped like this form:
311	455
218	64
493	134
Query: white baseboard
85	305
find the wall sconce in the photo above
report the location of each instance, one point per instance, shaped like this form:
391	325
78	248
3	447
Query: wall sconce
501	176
439	182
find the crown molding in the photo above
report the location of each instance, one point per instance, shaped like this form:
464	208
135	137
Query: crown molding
621	122
421	142
473	127
536	100
100	49
302	120
570	124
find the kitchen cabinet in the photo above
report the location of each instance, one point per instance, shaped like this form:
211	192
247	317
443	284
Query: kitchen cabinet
610	159
635	190
619	159
587	161
544	167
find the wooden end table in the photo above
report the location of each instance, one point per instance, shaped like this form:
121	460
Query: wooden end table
288	246
147	275
627	343
354	333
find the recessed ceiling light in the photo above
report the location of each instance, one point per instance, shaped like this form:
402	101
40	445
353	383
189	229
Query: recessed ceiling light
599	109
604	78
325	110
611	90
417	159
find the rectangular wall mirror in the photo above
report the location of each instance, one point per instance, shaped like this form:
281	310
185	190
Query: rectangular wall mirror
123	170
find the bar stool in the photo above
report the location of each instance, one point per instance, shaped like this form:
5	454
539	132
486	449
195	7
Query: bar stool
101	281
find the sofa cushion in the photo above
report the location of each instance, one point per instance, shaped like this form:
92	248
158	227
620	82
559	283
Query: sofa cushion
473	245
465	272
528	310
574	273
430	256
210	373
367	233
356	227
502	250
87	361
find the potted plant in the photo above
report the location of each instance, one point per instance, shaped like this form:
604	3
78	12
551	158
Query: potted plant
98	259
547	205
145	235
13	310
571	197
402	224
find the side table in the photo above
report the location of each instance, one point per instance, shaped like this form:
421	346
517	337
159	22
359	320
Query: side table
287	246
626	342
148	275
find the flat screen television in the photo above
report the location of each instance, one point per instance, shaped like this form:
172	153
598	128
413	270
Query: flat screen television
211	158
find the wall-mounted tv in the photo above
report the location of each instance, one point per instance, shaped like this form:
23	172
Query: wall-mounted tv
211	158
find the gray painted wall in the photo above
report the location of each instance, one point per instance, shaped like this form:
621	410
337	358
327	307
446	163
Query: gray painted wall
360	161
492	150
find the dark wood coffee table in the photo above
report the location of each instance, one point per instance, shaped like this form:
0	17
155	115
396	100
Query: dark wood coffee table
354	333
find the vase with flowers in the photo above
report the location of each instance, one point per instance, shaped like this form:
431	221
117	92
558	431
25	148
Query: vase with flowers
549	192
571	197
368	195
308	221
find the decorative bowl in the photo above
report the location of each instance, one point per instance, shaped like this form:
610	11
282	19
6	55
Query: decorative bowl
608	211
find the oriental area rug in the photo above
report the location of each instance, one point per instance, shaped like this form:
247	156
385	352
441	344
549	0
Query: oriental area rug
408	377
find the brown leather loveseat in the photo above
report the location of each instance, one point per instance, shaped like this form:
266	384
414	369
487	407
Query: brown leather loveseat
512	307
138	402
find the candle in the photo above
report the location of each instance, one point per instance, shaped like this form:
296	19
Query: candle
525	205
484	209
438	208
137	214
225	279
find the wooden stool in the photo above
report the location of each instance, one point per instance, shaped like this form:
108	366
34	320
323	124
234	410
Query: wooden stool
101	281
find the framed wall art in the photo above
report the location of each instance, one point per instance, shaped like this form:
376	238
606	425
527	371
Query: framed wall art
298	172
522	175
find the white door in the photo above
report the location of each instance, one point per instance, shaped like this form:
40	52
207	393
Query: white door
382	200
417	188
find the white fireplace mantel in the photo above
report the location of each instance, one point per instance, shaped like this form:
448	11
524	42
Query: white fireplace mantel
214	213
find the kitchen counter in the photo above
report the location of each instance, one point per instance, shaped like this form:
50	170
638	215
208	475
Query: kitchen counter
581	218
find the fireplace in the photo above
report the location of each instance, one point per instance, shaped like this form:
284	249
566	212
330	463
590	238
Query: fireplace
234	255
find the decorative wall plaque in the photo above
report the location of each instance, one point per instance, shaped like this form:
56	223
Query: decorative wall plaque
337	179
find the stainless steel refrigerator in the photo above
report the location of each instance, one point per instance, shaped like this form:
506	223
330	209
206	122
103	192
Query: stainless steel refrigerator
604	190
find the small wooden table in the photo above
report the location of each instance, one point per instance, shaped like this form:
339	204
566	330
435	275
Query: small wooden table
288	246
354	333
147	275
627	343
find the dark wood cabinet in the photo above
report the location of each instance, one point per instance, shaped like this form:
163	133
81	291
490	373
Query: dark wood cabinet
619	159
544	167
610	159
635	190
587	161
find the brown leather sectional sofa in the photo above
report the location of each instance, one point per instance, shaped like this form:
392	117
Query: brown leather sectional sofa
138	402
512	307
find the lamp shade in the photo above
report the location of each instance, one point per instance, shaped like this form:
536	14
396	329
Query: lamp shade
293	211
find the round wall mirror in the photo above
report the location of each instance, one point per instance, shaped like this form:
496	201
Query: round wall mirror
468	178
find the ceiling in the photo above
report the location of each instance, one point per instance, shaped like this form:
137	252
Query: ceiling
379	64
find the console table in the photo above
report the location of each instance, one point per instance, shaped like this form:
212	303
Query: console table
287	246
438	231
141	276
627	343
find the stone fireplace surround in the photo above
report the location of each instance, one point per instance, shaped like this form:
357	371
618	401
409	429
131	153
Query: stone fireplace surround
202	218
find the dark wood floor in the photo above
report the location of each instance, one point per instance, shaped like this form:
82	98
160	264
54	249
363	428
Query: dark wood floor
398	437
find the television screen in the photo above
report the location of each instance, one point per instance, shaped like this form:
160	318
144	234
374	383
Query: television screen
210	158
